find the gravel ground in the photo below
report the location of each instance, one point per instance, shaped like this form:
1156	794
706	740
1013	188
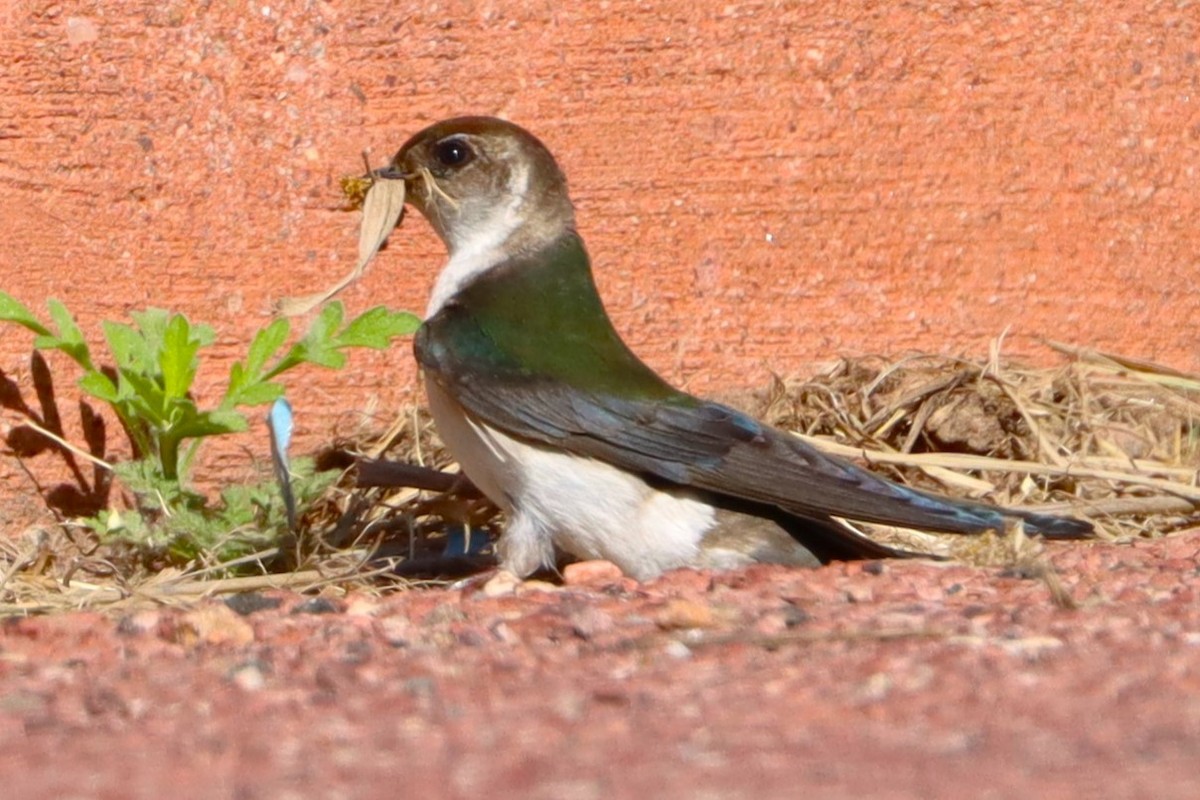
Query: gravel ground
894	680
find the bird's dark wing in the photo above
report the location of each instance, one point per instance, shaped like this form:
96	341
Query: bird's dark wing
676	438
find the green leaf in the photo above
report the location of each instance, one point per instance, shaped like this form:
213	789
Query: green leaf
68	330
318	339
377	327
13	310
246	377
326	357
328	321
98	385
129	347
318	345
211	423
256	394
266	342
69	339
152	322
177	359
203	335
144	395
239	380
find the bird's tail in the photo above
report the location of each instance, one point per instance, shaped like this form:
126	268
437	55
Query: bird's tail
1053	527
966	516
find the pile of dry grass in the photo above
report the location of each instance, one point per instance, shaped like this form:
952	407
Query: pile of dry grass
1112	439
1109	438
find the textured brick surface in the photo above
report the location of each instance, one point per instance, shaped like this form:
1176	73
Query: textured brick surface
763	186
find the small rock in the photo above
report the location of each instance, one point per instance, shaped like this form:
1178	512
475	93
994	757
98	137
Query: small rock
1164	580
316	605
420	687
247	603
24	703
681	581
679	614
776	622
589	621
362	607
357	652
443	614
592	573
505	634
861	593
471	636
396	631
140	622
794	615
770	624
500	584
249	677
525	587
1023	572
213	624
677	650
1031	647
875	688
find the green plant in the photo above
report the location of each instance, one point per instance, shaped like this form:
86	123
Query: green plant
185	528
149	388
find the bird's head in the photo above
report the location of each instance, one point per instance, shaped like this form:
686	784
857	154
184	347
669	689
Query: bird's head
484	183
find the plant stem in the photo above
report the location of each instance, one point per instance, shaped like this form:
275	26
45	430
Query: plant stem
169	456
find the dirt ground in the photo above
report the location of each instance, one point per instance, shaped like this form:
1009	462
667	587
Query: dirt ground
885	679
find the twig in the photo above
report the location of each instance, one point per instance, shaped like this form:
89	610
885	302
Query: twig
968	461
392	474
1147	371
1124	506
64	443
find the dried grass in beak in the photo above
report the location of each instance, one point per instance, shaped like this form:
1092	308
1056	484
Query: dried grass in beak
382	207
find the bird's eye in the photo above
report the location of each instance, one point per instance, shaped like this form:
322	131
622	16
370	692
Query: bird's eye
453	152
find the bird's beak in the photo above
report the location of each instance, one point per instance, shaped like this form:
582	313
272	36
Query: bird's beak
413	180
419	186
393	173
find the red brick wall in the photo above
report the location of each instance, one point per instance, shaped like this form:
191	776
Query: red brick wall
762	185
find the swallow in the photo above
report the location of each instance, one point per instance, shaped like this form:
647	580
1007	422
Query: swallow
583	446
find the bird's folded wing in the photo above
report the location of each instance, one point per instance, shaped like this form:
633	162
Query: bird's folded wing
689	442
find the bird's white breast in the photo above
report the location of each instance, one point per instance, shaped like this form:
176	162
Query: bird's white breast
583	506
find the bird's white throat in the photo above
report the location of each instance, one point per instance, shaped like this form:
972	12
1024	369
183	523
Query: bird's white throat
477	246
